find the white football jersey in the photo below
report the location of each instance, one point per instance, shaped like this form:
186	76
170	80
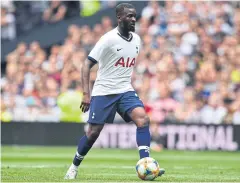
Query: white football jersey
116	56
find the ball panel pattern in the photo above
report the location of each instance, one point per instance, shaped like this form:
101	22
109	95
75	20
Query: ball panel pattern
147	168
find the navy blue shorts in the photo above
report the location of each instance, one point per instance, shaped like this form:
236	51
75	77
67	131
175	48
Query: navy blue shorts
103	108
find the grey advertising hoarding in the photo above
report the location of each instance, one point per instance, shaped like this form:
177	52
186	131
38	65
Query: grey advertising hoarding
37	133
176	136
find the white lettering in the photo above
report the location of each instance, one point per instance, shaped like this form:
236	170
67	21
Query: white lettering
219	138
103	139
203	137
210	138
113	136
181	144
171	136
192	135
178	137
230	144
123	137
132	136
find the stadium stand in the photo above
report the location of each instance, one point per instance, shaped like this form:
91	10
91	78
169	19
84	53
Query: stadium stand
188	69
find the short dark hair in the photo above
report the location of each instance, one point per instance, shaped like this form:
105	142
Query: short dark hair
121	6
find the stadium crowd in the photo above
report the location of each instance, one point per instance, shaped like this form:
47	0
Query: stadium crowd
19	17
188	69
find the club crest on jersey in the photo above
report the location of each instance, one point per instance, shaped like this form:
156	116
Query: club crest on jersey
126	63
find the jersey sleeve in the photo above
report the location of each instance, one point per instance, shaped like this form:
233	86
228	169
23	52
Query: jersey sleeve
140	44
99	50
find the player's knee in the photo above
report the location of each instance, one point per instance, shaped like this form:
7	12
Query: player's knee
142	121
93	133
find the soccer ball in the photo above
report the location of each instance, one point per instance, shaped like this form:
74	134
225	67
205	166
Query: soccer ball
147	168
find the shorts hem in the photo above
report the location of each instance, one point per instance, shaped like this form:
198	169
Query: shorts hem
133	107
99	123
128	112
94	122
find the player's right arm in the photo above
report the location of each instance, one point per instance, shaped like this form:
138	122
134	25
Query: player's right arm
88	64
95	56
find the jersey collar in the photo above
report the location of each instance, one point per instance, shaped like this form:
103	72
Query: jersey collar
126	39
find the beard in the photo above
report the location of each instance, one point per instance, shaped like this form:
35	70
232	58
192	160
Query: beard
131	28
128	27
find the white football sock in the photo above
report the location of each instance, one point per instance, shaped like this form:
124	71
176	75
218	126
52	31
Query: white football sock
73	167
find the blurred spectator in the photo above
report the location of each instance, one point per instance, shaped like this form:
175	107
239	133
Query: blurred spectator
8	4
232	103
185	112
28	15
8	26
5	115
213	112
106	4
32	14
164	107
55	12
106	24
73	8
152	10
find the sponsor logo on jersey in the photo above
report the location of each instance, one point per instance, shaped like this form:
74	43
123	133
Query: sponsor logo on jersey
129	62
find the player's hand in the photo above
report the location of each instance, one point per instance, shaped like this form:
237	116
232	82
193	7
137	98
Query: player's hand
85	103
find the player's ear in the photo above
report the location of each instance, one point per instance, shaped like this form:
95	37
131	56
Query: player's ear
118	17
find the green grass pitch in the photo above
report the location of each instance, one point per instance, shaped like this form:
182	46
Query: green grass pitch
49	164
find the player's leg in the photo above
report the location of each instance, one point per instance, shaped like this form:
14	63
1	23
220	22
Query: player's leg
84	145
131	108
86	142
102	109
143	137
142	121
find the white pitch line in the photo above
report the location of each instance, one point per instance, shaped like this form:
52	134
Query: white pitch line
92	166
120	182
121	157
217	168
182	167
63	166
190	167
